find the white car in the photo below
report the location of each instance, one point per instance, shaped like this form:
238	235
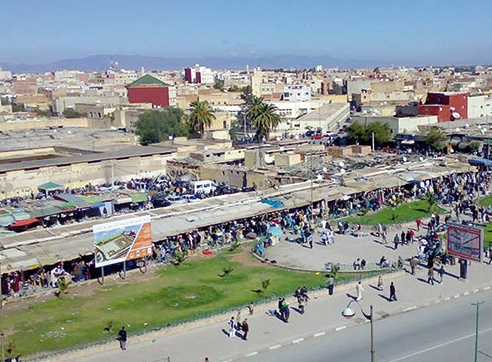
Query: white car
190	198
176	200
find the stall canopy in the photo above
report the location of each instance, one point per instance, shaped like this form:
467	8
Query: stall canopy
480	162
50	187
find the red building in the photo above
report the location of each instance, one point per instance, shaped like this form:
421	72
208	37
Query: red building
447	106
148	89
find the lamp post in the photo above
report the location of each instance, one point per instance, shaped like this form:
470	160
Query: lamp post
349	313
477	304
2	332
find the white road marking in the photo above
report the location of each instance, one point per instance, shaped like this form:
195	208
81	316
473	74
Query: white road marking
456	296
438	346
466	293
410	308
340	328
319	334
299	340
277	346
251	354
486	288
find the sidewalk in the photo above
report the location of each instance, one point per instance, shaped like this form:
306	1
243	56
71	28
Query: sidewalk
323	316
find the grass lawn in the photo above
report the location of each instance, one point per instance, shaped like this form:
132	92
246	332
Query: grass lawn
143	302
406	212
486	201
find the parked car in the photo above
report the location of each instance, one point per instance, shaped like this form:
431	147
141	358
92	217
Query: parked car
176	199
190	198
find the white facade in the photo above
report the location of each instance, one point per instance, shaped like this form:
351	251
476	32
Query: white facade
398	124
297	93
479	106
207	76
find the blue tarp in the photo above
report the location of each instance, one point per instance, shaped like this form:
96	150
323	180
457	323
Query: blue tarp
480	162
273	202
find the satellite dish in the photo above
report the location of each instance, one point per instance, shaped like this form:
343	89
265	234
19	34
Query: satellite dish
319	177
467	125
421	159
482	130
282	149
342	171
325	170
456	115
341	164
404	159
458	129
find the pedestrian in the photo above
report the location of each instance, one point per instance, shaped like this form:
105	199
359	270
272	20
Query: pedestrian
245	328
392	292
331	284
359	289
122	336
238	320
441	273
418	222
251	308
301	302
430	275
356	264
396	241
363	264
324	238
380	282
232	327
413	264
310	240
384	236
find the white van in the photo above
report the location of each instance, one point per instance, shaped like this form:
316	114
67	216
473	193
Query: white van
202	187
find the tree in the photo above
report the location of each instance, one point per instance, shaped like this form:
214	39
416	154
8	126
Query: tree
157	125
262	116
71	113
201	116
219	84
363	133
435	138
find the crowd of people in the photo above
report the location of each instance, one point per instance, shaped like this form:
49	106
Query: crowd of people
456	191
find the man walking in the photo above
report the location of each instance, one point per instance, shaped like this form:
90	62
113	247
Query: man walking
392	292
413	265
430	275
359	291
396	241
122	338
441	273
232	328
331	284
245	328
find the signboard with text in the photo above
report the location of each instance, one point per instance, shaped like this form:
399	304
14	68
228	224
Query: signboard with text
117	241
465	242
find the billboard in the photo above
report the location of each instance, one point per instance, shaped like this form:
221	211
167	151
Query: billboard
465	242
117	241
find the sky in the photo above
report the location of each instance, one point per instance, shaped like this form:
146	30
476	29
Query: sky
422	32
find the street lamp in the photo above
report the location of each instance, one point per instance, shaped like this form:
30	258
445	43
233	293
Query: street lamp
349	313
477	304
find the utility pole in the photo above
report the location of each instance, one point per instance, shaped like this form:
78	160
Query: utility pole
477	304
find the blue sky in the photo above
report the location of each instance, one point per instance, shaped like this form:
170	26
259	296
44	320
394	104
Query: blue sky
399	31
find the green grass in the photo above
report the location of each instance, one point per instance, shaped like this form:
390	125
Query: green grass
406	212
486	201
195	289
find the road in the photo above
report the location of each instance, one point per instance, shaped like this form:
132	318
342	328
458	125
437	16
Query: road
441	332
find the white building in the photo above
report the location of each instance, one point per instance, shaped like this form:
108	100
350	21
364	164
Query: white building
479	106
297	93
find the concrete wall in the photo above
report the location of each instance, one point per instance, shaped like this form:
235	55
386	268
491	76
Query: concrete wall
21	182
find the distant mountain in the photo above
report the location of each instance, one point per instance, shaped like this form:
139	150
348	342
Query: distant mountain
136	62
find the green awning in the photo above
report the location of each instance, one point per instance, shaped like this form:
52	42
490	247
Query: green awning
6	220
45	211
50	186
138	197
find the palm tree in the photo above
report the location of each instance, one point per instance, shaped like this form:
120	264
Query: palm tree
263	116
201	116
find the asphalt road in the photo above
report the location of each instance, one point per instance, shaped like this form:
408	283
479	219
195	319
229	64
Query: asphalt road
441	332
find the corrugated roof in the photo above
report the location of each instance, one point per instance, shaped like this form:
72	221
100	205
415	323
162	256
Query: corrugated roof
147	79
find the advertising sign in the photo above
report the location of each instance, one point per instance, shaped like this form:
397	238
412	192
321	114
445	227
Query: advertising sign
117	241
465	242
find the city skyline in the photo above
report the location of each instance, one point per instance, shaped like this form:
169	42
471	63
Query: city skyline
422	32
